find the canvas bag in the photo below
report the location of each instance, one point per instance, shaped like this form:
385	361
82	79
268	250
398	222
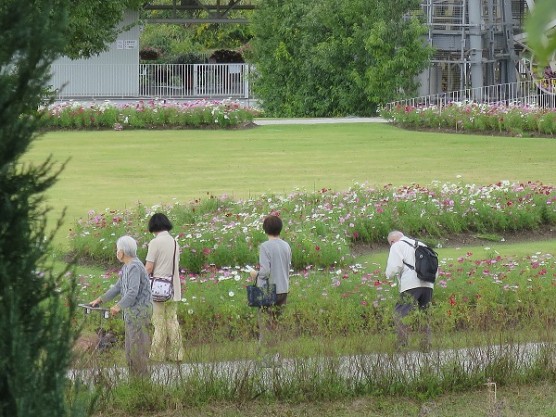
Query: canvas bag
162	289
261	296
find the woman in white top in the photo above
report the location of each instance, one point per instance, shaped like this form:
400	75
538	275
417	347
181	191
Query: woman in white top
163	253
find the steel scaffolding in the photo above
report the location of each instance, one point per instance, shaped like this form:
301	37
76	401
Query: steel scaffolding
474	43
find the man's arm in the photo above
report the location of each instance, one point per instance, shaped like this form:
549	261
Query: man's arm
394	266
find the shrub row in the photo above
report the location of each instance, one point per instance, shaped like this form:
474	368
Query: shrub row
473	117
152	114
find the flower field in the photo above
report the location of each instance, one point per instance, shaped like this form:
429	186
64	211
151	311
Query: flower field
321	226
515	120
476	292
330	292
148	114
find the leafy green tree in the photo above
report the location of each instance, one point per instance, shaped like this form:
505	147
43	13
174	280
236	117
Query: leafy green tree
93	24
225	35
169	40
36	304
332	58
174	40
541	38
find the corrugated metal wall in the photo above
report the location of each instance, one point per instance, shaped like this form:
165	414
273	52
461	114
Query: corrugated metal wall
111	73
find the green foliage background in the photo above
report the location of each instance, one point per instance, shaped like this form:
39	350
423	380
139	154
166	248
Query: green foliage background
174	42
542	43
331	58
93	24
37	304
35	323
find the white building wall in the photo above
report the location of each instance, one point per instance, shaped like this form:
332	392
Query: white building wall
114	73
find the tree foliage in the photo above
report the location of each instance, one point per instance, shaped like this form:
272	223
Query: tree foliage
541	38
93	24
174	40
333	58
35	321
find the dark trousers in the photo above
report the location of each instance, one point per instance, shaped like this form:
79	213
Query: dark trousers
420	297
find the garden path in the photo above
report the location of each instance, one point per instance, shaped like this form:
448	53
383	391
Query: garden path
318	120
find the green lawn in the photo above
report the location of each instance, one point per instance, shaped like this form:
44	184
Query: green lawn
484	250
118	169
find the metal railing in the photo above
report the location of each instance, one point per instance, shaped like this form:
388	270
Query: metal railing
525	93
197	80
152	80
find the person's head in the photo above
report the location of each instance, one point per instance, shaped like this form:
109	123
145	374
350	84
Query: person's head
394	236
159	223
272	225
126	246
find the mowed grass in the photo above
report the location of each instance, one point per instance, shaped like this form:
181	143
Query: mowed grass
118	169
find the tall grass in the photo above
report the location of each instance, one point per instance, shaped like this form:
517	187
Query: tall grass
321	378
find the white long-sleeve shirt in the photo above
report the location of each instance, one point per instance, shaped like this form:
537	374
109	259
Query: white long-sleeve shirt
395	268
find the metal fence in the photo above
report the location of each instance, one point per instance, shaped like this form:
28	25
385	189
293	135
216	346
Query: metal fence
526	93
198	80
152	80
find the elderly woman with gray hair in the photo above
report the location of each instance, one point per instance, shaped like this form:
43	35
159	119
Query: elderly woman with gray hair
136	302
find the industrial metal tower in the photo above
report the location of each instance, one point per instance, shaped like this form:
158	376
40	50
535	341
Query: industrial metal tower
477	43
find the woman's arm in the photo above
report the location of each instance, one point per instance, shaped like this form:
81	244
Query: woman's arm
112	292
149	266
151	257
264	266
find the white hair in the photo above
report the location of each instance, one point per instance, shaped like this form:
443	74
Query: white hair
394	236
128	246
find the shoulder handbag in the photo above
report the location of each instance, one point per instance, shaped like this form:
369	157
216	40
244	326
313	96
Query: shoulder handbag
261	296
162	289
